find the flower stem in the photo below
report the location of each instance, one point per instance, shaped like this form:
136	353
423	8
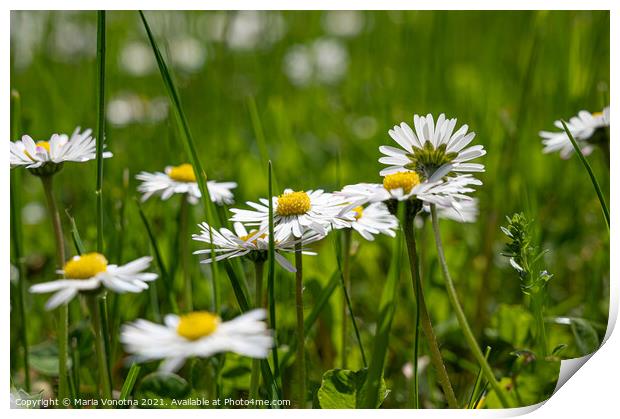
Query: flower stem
537	307
585	163
423	316
100	348
460	315
184	256
258	302
16	240
63	310
100	124
299	305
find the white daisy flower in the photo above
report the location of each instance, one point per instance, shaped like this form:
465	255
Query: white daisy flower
467	211
197	334
374	219
432	148
296	212
182	180
583	127
91	271
402	186
253	244
60	148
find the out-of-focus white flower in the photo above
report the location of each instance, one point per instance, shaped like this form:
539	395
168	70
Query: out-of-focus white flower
346	23
249	29
89	272
188	54
197	334
182	180
33	213
582	127
324	61
128	108
137	59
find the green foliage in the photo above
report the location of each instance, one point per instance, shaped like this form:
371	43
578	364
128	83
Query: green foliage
341	389
163	385
512	324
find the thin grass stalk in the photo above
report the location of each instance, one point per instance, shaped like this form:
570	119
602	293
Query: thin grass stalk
258	303
301	350
130	381
460	314
100	349
370	397
347	305
63	310
597	188
166	279
183	237
346	280
16	241
190	149
423	316
100	124
271	274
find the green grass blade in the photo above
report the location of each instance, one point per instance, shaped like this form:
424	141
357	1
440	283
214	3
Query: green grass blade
585	163
387	306
259	133
100	124
130	381
475	392
166	279
75	235
190	148
338	247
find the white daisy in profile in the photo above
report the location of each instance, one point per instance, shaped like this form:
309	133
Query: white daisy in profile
374	219
182	180
432	148
402	186
60	148
296	212
253	245
586	128
467	211
197	334
91	271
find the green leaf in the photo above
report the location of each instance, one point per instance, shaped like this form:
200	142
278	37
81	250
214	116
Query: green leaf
512	324
586	337
165	385
132	376
341	389
44	358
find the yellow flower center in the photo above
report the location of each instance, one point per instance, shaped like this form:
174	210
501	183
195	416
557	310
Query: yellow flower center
85	266
182	173
404	180
198	324
253	235
44	144
597	114
358	212
293	203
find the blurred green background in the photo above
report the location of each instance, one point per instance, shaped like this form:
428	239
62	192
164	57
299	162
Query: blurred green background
325	88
